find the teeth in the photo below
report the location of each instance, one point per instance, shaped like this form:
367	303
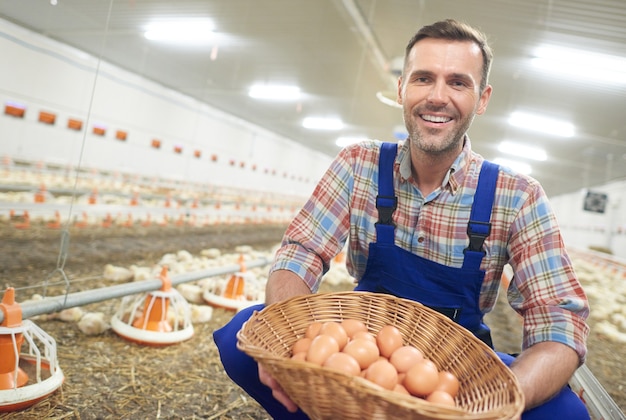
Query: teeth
436	119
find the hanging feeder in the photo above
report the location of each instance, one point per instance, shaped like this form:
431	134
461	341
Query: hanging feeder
158	318
241	290
29	377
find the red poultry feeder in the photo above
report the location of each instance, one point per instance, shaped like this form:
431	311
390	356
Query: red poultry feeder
158	318
29	377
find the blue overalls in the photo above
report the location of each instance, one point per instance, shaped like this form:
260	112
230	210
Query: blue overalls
449	290
391	269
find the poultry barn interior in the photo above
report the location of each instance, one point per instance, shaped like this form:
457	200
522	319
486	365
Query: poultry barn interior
122	156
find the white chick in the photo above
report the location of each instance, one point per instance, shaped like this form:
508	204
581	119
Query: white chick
191	292
141	273
211	253
114	273
71	314
93	323
201	314
184	256
243	249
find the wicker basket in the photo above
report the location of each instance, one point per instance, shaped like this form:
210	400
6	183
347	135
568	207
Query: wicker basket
488	389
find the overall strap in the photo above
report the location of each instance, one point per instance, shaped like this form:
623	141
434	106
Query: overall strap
479	226
386	201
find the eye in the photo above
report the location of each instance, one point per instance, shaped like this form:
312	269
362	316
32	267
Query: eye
458	83
421	80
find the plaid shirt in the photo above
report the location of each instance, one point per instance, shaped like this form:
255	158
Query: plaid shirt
524	233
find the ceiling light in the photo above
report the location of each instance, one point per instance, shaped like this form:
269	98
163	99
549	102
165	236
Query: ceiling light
316	123
521	150
195	31
274	92
346	141
520	167
583	65
542	124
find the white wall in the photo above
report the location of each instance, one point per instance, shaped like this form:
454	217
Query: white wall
44	75
582	229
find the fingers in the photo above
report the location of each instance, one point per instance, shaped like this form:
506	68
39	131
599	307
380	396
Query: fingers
277	390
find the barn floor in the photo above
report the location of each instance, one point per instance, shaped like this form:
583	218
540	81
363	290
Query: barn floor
107	377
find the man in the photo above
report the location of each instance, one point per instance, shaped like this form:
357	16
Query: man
407	215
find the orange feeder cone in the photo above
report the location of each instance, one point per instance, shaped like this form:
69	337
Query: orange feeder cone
40	195
93	197
11	376
234	296
25	224
160	318
154	317
236	283
17	389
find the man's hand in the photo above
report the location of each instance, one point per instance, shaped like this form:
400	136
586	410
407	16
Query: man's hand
281	285
277	390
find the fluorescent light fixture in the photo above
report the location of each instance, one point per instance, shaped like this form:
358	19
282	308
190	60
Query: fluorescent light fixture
580	64
520	167
542	124
522	150
388	98
346	141
317	123
275	92
194	31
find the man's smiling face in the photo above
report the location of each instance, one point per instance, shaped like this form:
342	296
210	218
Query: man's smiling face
440	93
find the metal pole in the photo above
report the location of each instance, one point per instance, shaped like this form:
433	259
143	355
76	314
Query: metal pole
59	303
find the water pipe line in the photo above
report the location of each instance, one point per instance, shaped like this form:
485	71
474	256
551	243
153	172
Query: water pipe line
58	303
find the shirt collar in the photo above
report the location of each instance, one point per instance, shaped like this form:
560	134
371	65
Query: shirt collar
455	175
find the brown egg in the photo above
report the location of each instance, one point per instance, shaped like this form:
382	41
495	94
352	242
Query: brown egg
352	326
389	339
321	348
299	356
335	330
301	345
312	330
382	373
365	352
441	397
401	389
422	378
365	335
401	377
405	358
448	383
344	363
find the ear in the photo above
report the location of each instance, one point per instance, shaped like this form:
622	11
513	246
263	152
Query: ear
399	98
484	100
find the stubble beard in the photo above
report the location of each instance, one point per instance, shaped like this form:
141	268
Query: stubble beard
430	140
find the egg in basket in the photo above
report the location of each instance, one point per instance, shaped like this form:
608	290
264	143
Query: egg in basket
487	389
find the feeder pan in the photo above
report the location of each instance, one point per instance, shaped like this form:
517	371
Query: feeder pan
158	318
18	389
235	295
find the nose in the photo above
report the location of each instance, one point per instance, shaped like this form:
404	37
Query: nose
438	93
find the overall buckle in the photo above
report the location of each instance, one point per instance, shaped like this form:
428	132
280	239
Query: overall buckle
386	206
477	239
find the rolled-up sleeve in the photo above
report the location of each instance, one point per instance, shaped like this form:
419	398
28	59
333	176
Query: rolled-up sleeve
545	290
319	230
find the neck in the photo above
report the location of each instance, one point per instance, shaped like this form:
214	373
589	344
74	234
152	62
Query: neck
429	170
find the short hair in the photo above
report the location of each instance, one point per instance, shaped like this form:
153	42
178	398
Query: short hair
454	30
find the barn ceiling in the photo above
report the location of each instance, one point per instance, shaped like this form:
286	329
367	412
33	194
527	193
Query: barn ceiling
341	54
